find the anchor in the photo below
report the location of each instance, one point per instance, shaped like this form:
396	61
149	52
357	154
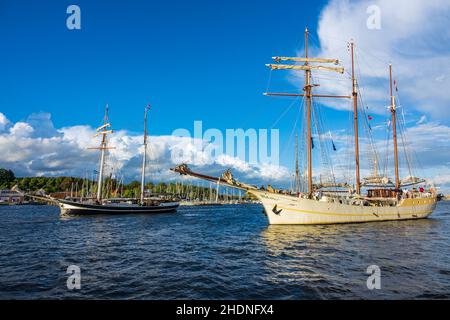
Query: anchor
274	210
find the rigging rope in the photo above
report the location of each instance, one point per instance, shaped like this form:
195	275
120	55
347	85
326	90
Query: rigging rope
372	152
326	159
284	112
294	127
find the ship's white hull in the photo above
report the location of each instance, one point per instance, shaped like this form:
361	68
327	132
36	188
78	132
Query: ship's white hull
285	209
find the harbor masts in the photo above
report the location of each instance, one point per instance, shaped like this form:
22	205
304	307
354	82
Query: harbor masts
394	130
144	157
355	120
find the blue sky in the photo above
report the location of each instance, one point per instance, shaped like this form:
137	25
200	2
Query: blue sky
204	60
191	59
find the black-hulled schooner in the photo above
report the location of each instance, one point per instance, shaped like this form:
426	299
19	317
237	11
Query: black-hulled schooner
101	204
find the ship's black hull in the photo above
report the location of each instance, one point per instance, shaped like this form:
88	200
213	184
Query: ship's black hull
76	208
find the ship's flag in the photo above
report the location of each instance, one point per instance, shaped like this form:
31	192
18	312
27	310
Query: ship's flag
369	117
332	143
312	143
395	85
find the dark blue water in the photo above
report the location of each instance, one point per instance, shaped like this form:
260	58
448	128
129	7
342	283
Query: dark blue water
227	252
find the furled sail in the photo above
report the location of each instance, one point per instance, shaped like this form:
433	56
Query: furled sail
303	67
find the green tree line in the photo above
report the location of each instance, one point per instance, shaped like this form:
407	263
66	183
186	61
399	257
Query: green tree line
112	187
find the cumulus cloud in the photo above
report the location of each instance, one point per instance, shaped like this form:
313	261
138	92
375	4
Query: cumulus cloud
42	125
21	129
34	147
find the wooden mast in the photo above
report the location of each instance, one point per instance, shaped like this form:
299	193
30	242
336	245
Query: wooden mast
394	130
144	157
307	67
355	120
307	89
104	131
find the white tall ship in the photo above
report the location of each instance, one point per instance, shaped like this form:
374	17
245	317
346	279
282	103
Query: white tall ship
373	198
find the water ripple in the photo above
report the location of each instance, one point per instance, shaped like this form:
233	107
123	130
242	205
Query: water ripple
226	252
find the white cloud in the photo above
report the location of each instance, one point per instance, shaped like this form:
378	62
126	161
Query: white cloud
413	37
233	162
33	150
21	129
269	172
422	119
42	125
3	122
442	179
81	135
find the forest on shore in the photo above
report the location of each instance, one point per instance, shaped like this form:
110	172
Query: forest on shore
77	186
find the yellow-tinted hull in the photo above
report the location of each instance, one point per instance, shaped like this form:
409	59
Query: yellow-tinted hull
284	209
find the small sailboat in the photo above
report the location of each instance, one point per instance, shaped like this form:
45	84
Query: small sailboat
346	203
98	205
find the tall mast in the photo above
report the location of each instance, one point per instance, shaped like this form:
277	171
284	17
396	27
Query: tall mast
297	179
394	129
355	119
307	90
103	131
144	157
307	67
